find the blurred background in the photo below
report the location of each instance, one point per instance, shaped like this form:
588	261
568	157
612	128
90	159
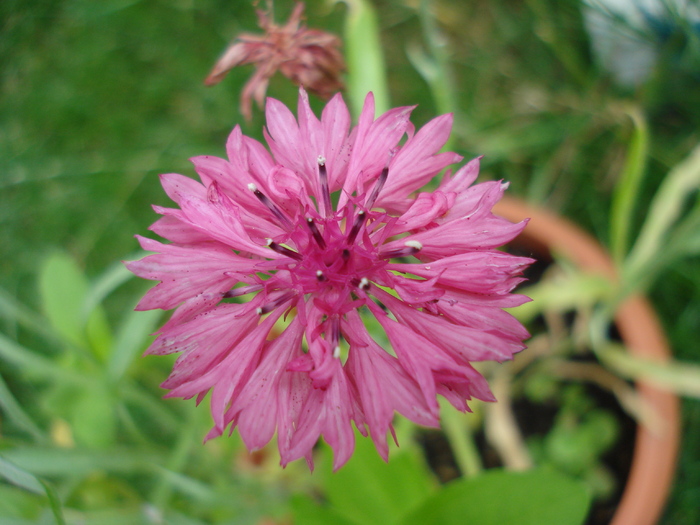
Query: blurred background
98	98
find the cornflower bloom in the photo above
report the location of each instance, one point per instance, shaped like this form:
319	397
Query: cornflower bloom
308	57
324	233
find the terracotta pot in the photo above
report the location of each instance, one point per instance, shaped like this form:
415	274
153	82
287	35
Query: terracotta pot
654	459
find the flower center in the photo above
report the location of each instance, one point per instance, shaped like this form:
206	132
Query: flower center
332	252
328	253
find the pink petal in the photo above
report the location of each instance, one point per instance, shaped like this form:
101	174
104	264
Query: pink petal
187	271
418	161
382	384
258	408
484	272
328	413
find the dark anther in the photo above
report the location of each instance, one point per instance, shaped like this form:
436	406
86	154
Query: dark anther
359	221
270	205
377	188
243	290
410	248
317	234
325	190
283	250
262	310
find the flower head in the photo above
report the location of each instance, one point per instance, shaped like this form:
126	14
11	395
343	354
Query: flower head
308	57
279	259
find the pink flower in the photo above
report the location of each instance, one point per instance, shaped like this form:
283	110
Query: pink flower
277	260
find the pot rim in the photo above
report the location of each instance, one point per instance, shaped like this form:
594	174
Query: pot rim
655	452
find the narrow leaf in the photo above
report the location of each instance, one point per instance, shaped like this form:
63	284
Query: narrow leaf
679	185
627	189
14	412
131	339
676	376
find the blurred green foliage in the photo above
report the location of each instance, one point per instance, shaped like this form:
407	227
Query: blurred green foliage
98	98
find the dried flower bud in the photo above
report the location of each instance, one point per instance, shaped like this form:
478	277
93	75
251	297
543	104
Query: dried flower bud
308	57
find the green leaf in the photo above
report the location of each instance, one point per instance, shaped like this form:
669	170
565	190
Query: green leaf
62	287
32	363
54	502
435	66
14	412
28	481
20	477
46	461
64	291
536	497
669	202
677	376
307	512
107	282
93	418
369	491
562	293
19	506
16	312
627	188
130	340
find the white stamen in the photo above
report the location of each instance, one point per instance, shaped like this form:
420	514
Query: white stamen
336	352
259	310
268	241
414	244
364	283
319	273
321	160
252	187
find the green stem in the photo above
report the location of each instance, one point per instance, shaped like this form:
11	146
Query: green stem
164	487
461	441
363	50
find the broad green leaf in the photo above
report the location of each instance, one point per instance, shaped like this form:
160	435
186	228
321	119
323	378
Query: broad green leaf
93	418
307	512
98	333
63	289
18	506
369	491
576	444
497	497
